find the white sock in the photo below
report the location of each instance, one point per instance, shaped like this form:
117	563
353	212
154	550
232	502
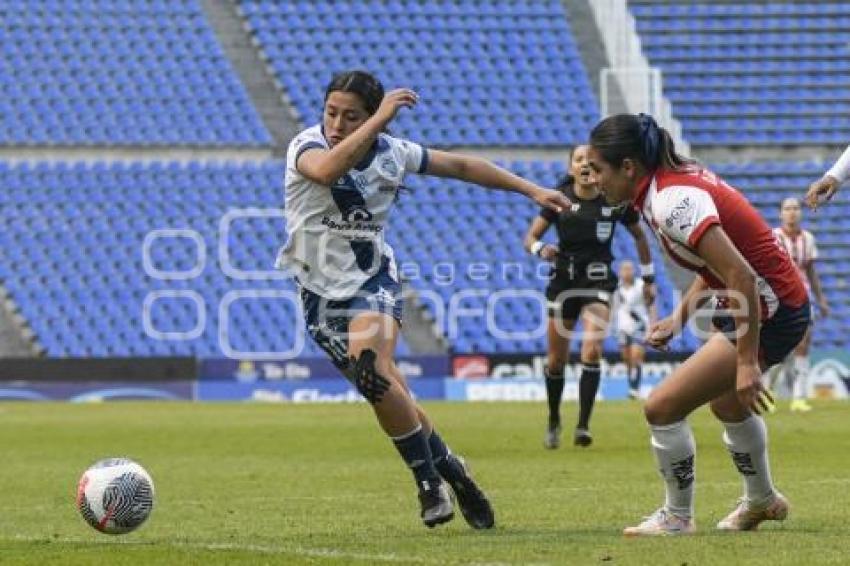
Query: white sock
771	376
801	377
674	450
747	444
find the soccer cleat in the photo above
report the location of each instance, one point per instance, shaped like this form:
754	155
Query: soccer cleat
662	523
582	437
552	440
747	518
634	394
800	406
474	506
436	504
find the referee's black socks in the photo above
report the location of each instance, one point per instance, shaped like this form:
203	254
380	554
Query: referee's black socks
587	388
554	391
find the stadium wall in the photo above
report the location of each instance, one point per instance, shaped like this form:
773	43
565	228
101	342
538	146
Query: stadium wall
461	378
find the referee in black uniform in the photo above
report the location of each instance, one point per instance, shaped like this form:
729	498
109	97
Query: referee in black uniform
582	282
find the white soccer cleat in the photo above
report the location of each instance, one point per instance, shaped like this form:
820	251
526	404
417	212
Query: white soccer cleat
748	518
662	523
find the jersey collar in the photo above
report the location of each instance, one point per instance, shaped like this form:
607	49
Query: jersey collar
643	189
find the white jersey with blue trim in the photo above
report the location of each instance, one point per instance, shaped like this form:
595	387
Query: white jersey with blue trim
336	234
630	305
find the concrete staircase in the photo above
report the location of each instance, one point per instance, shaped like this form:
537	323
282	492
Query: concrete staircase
269	99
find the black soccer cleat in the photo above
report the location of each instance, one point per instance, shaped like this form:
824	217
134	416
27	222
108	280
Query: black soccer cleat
552	440
436	503
474	505
582	437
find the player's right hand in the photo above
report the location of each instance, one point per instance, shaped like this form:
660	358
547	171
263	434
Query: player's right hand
394	101
660	333
821	190
549	252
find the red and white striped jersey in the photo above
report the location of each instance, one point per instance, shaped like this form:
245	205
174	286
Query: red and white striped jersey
681	206
802	248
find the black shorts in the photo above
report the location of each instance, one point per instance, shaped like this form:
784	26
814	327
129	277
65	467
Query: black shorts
780	334
566	298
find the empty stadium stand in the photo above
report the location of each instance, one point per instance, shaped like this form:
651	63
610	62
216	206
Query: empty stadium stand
118	72
72	255
753	73
497	73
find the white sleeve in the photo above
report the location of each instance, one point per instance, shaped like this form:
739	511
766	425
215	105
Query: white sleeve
684	213
413	155
841	169
308	139
812	252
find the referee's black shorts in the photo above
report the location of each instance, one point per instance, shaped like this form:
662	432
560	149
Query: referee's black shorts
566	297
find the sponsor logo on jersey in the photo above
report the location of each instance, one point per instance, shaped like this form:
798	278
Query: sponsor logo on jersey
348	197
678	214
606	211
388	166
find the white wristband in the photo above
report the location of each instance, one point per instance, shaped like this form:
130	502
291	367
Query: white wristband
647	270
536	247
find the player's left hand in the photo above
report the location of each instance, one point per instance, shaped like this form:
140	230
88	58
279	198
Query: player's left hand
823	307
554	200
751	391
821	190
649	294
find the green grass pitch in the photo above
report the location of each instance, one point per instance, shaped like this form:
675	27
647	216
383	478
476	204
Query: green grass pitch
278	484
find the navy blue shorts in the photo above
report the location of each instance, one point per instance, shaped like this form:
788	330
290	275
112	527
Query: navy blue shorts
327	319
780	334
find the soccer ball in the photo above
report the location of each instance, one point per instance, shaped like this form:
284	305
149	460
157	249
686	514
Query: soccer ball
115	496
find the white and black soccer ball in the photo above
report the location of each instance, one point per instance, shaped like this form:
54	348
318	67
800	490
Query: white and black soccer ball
115	496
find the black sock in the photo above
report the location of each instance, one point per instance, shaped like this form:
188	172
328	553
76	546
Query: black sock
638	372
414	449
554	391
447	465
588	386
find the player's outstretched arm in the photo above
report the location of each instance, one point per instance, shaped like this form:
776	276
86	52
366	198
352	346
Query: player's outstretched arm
325	166
482	172
824	188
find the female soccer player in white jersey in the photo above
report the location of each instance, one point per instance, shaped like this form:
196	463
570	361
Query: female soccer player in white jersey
801	246
761	313
632	317
342	178
825	188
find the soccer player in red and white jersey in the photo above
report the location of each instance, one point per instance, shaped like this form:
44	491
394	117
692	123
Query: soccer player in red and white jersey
801	246
761	313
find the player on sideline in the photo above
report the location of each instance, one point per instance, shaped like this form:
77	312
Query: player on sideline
632	318
825	188
581	284
761	310
800	245
342	178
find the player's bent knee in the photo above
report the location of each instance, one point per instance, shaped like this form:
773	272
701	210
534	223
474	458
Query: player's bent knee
555	369
659	410
363	373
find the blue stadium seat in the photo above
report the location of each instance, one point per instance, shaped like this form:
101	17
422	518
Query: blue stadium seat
118	73
753	73
518	59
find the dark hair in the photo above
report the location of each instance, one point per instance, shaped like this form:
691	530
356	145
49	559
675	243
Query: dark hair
363	84
638	137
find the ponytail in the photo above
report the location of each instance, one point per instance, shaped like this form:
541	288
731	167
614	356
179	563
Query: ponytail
637	137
